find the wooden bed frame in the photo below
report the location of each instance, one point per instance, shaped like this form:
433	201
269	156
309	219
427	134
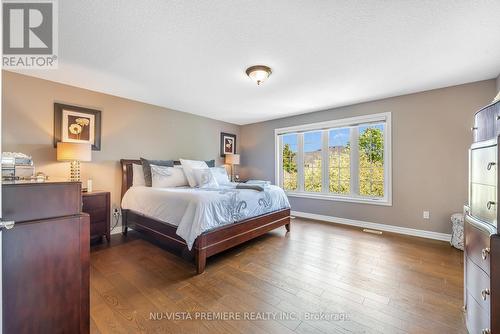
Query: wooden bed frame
208	243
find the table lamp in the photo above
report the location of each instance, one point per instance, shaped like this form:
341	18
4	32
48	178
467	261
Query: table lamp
232	159
74	152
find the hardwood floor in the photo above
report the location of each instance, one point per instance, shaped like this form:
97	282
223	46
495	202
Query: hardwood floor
347	280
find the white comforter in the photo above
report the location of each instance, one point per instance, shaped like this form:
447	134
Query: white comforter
195	210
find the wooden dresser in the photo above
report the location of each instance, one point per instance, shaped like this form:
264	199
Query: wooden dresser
45	259
482	241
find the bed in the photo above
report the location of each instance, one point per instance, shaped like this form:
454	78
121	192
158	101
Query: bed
162	214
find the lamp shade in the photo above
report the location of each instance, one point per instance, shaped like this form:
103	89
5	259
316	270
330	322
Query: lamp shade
232	159
73	152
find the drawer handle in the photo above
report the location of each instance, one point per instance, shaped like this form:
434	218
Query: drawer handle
473	128
486	331
484	253
485	293
489	204
491	164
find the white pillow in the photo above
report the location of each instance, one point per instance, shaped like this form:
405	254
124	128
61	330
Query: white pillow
138	176
167	177
188	166
179	176
220	175
204	178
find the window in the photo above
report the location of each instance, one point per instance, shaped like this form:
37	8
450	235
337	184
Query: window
371	160
339	161
347	159
312	161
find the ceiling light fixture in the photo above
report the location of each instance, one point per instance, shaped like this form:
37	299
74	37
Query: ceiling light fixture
259	73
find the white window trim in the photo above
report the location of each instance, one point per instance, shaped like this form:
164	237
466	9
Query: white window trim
345	122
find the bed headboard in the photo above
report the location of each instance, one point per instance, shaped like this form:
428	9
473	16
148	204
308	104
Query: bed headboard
127	172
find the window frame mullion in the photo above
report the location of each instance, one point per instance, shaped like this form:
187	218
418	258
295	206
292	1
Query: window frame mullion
325	163
354	160
280	175
300	162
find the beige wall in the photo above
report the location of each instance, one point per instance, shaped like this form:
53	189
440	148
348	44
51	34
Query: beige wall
129	130
430	139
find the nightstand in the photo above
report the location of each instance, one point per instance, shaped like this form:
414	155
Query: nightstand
97	205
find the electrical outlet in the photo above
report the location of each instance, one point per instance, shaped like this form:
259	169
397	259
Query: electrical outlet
426	215
116	212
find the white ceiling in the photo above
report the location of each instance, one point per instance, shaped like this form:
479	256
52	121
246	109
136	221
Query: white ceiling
192	55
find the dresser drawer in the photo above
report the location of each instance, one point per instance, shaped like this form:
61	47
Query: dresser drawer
98	215
478	285
483	168
46	262
34	201
477	245
94	202
485	123
477	319
483	202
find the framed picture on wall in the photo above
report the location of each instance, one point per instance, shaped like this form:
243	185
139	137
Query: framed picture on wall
77	125
227	144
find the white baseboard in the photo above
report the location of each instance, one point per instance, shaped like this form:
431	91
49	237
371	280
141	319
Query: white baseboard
117	230
375	226
358	223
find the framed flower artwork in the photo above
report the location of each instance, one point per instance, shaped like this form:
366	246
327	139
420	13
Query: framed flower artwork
77	125
227	144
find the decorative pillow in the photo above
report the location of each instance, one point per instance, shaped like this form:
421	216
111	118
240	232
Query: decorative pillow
179	173
167	177
220	175
210	163
188	166
137	176
204	178
146	166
